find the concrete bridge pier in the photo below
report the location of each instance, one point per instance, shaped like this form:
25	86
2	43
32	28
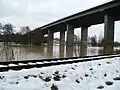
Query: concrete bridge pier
62	43
70	41
84	36
108	34
50	43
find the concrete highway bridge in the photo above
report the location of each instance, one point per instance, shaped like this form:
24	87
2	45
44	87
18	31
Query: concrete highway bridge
106	13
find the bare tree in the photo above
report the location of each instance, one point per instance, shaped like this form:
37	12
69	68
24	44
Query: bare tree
8	29
25	29
100	41
93	40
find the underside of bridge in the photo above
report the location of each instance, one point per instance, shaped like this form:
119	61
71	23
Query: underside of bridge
106	13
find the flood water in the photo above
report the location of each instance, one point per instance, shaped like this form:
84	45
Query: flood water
15	52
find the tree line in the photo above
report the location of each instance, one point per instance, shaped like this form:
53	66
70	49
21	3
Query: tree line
8	33
100	42
94	41
7	29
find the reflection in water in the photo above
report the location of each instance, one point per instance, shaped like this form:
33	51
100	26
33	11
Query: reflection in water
28	52
61	51
6	52
10	52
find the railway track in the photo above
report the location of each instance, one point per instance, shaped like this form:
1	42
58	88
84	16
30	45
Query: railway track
18	65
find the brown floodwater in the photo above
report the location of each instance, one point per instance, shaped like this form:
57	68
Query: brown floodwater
32	52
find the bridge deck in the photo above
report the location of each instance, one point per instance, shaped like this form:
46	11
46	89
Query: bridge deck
88	17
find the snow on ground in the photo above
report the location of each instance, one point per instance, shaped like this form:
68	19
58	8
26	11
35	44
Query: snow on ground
94	75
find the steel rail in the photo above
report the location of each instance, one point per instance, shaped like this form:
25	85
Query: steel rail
18	65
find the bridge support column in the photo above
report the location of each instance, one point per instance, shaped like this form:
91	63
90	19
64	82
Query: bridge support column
70	41
50	43
62	43
108	34
84	36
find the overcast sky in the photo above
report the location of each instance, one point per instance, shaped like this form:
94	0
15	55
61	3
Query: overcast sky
36	13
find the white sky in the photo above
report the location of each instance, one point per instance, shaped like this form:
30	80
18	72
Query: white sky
36	13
